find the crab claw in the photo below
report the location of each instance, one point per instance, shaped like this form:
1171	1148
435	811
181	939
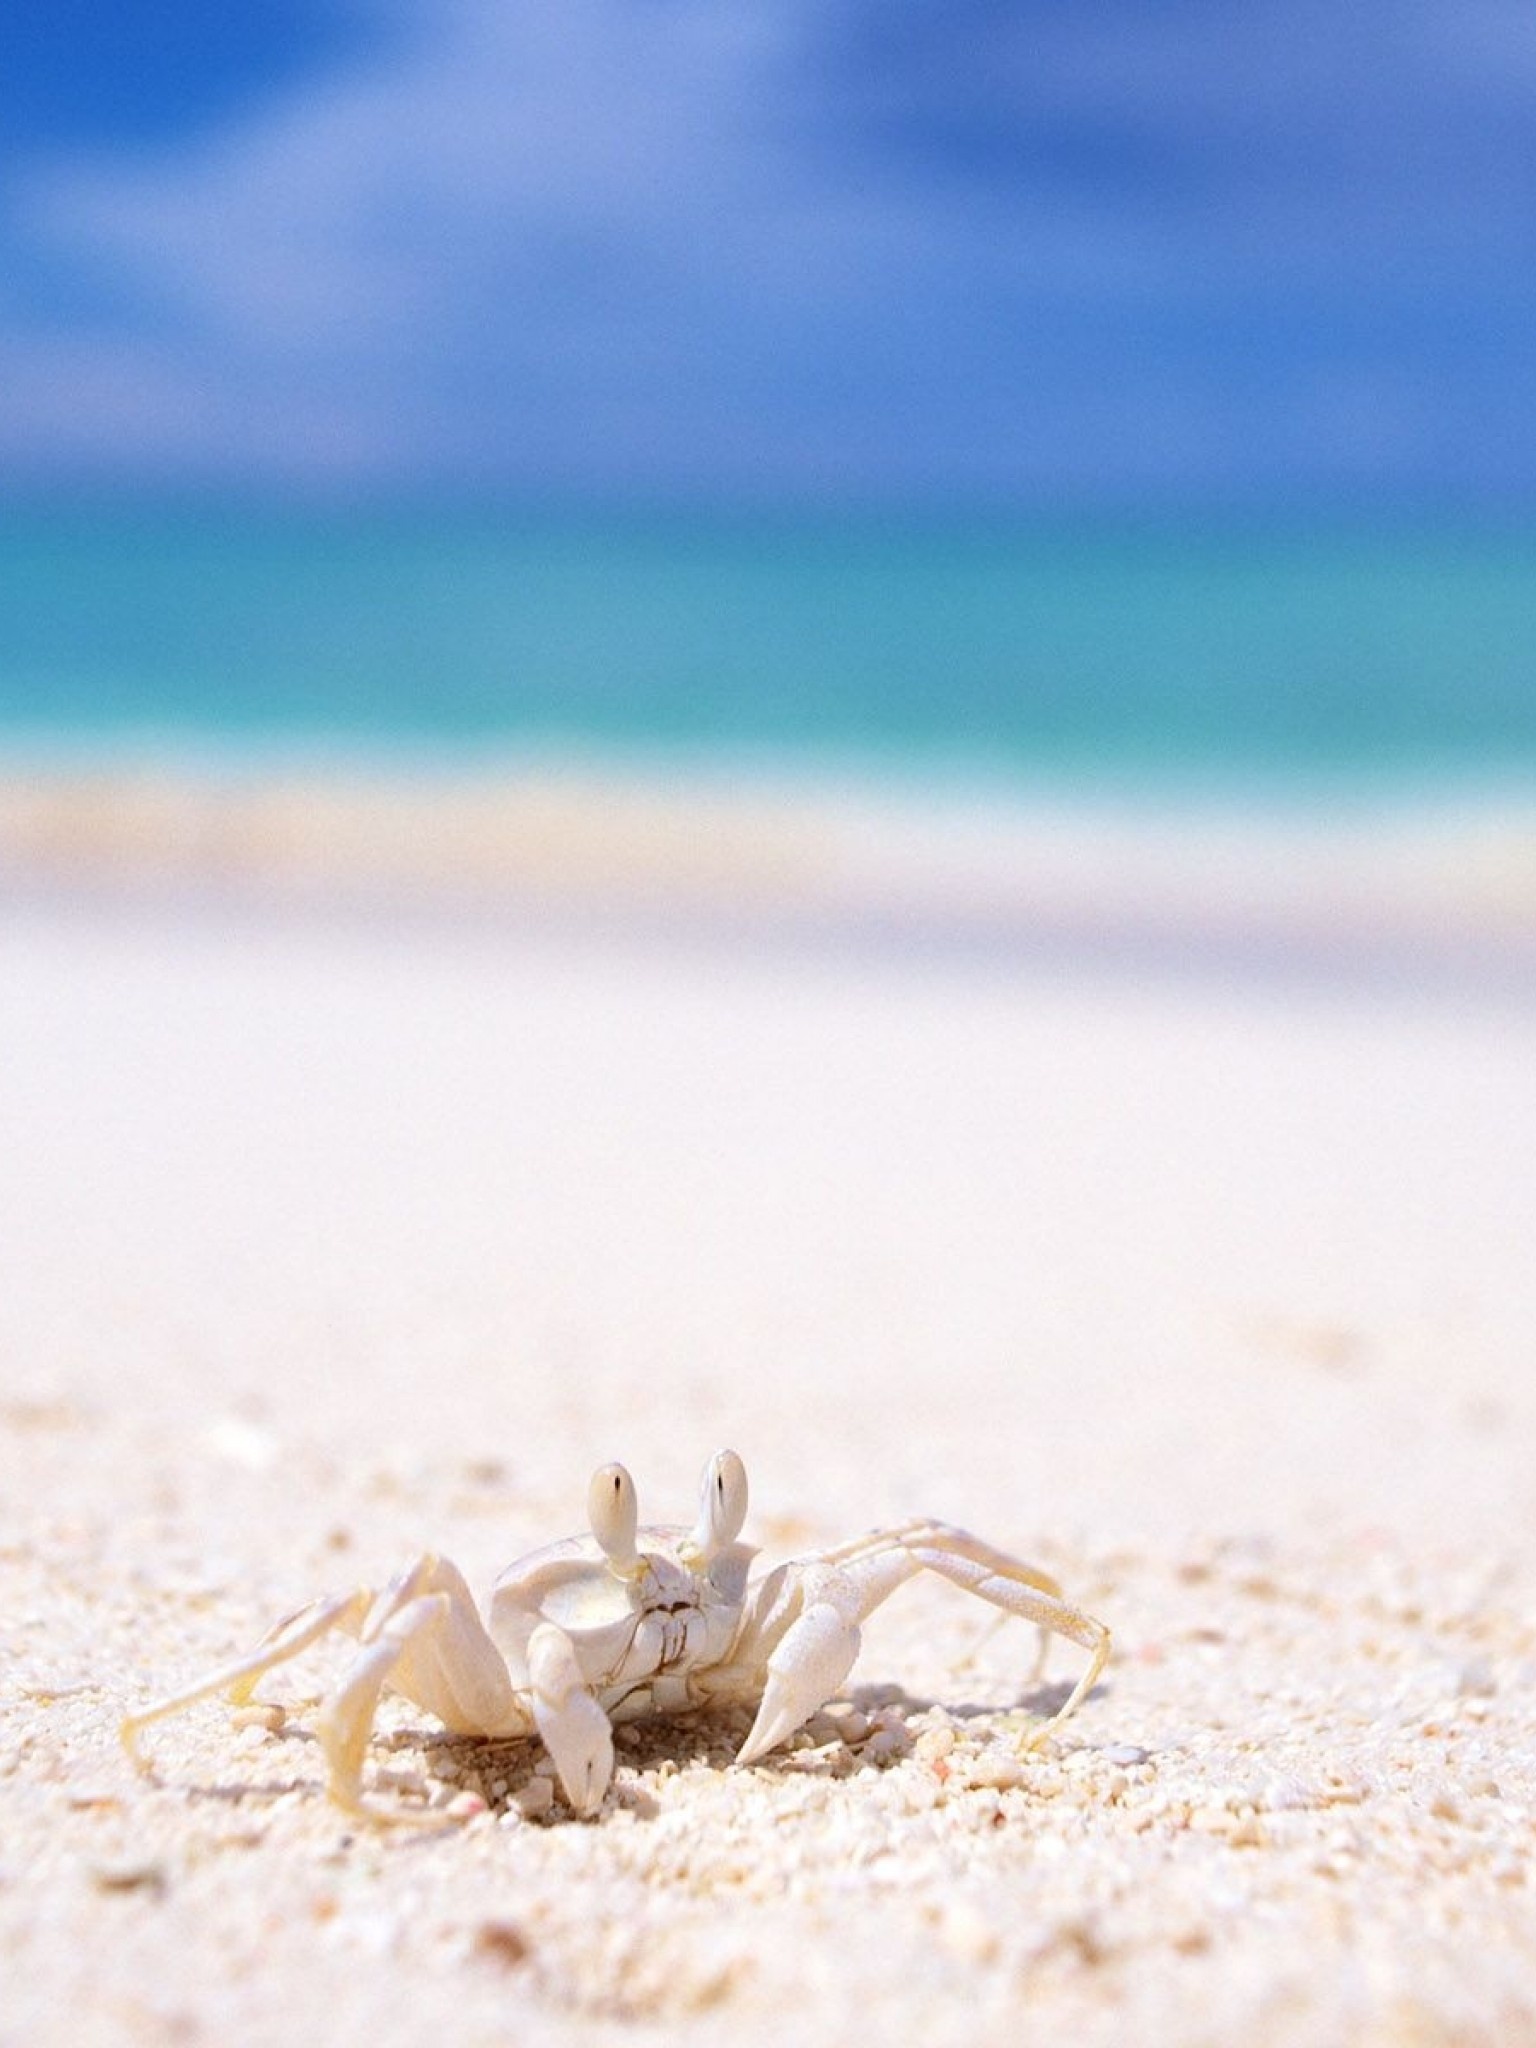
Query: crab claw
815	1656
574	1727
579	1739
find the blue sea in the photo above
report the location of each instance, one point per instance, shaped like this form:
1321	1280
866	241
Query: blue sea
1081	655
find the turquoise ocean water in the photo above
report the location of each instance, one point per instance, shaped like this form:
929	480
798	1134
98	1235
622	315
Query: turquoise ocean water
1087	654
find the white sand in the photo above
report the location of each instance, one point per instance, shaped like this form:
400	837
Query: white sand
327	1238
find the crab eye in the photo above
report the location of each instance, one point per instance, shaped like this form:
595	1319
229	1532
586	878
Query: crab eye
612	1511
722	1503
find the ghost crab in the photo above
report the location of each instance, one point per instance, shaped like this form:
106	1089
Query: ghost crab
625	1623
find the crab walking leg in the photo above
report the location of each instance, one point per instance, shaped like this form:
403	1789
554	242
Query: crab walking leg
346	1611
807	1618
923	1529
423	1638
994	1576
422	1635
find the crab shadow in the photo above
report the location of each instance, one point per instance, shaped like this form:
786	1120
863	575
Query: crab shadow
263	1791
1042	1701
501	1770
410	1760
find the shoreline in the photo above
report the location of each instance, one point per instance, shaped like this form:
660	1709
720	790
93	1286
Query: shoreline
1363	884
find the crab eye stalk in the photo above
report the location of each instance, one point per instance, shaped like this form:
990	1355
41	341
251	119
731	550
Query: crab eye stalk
722	1506
613	1513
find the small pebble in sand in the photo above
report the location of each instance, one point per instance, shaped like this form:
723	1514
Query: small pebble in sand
843	1721
995	1768
534	1799
1124	1754
264	1714
502	1942
934	1743
889	1737
131	1877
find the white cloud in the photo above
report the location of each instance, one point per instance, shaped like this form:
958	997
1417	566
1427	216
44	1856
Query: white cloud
679	241
498	138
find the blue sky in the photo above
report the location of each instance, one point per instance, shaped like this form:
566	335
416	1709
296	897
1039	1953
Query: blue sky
920	250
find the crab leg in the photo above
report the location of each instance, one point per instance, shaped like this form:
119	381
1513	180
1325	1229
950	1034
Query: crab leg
346	1611
807	1617
422	1635
966	1561
423	1638
923	1528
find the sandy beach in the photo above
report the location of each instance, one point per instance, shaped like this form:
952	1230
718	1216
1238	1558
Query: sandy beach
335	1226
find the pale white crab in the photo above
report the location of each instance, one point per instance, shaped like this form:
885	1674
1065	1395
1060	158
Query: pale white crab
627	1623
